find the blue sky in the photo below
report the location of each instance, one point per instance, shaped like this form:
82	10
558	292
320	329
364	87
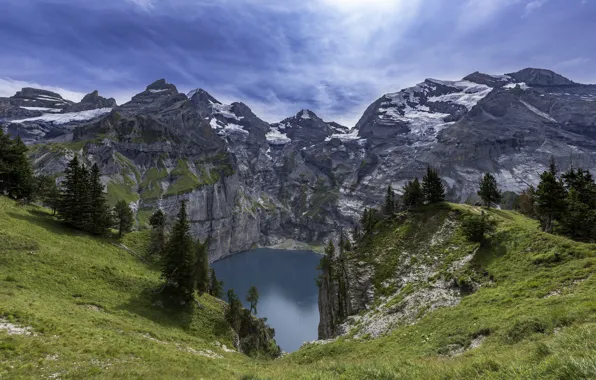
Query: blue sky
334	57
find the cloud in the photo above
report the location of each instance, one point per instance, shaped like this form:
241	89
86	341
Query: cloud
533	6
332	56
145	5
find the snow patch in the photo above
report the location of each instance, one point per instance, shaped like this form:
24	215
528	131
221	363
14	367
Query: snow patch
42	109
226	111
522	85
305	114
351	136
538	112
157	91
65	118
275	137
469	95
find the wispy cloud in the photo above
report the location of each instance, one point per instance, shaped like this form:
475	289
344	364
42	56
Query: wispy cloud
332	56
8	87
533	6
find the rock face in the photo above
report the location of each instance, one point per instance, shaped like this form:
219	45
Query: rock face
252	183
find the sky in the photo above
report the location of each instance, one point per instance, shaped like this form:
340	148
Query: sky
334	57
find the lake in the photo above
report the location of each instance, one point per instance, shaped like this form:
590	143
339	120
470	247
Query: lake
287	290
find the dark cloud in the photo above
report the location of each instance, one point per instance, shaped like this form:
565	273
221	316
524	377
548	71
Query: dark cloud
280	57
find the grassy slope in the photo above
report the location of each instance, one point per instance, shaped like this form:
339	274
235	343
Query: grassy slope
87	301
530	335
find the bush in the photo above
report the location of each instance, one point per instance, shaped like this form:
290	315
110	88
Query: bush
477	227
524	328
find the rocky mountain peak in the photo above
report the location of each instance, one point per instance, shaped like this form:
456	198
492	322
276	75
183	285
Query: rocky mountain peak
92	101
199	95
161	85
540	77
306	114
29	93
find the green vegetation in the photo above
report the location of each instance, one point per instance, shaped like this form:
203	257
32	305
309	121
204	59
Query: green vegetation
92	311
489	191
150	187
16	173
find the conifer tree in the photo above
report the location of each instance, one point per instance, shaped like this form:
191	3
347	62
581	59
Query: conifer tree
432	186
100	217
158	233
69	206
83	216
234	311
489	191
178	268
526	202
215	286
16	173
550	199
413	196
253	298
123	217
389	208
202	267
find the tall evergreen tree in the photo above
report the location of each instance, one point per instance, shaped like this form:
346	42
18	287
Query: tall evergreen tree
100	217
215	286
83	217
234	311
550	199
202	267
178	268
389	208
158	233
253	298
69	204
123	217
413	196
432	186
16	173
489	190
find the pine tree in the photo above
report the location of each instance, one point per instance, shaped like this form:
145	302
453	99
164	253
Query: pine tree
389	208
158	233
83	219
215	286
489	191
99	215
202	267
16	173
579	221
253	298
432	186
123	217
550	199
178	268
413	196
71	192
234	311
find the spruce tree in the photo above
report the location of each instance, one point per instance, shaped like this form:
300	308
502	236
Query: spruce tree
526	202
202	267
158	233
550	199
215	286
178	264
99	213
234	311
253	298
123	217
389	208
68	208
16	173
413	196
432	186
489	191
83	219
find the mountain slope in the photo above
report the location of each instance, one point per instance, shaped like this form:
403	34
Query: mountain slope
250	183
72	306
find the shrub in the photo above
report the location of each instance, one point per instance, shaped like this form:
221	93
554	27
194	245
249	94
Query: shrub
477	227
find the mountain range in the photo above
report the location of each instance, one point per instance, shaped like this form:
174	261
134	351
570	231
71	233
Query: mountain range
298	182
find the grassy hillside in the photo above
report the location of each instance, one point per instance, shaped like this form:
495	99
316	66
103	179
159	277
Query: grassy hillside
89	309
86	301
